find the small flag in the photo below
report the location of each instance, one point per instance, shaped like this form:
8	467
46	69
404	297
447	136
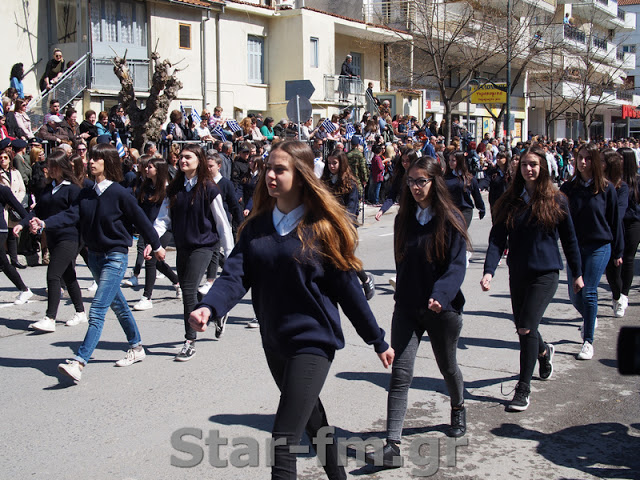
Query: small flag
349	131
195	115
328	126
411	132
219	132
119	146
182	111
1	109
265	155
233	126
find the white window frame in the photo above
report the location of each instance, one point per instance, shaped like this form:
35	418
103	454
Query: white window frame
314	52
255	59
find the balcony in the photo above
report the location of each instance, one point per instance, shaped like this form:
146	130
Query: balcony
575	34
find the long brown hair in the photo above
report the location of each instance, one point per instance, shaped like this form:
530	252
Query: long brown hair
204	177
630	171
445	214
612	166
346	181
162	176
461	167
545	208
59	159
324	228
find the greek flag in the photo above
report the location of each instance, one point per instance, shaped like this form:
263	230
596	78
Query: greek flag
119	146
182	111
195	115
350	131
265	155
1	109
411	132
233	126
219	132
328	126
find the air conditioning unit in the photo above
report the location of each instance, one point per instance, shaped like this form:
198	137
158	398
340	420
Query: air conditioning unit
286	4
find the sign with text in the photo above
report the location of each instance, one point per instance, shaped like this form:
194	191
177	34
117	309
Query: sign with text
488	93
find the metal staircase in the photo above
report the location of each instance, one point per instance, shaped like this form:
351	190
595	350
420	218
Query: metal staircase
73	82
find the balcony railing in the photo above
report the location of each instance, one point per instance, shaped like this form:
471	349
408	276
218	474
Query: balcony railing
620	55
624	95
396	13
338	88
621	14
600	43
573	33
103	78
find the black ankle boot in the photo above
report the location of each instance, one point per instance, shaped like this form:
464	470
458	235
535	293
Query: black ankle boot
390	456
458	422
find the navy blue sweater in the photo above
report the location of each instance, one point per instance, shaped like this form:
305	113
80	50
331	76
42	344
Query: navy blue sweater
595	217
192	222
349	199
231	204
462	198
623	199
8	198
418	280
533	248
50	205
295	299
633	209
106	221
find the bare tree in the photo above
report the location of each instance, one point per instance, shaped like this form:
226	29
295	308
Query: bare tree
147	123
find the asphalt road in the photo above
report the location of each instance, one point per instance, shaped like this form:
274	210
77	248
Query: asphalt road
141	421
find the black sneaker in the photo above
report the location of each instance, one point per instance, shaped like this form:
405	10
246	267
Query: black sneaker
546	363
520	400
220	322
458	422
390	456
369	287
187	352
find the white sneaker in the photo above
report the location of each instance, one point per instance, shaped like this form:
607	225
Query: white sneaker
72	368
159	276
47	325
620	306
78	318
586	353
131	281
204	289
23	297
178	291
392	282
132	357
144	304
93	287
253	324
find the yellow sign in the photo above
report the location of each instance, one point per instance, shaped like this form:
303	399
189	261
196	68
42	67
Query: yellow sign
488	93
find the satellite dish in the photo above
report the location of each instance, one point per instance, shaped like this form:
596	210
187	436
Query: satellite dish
299	109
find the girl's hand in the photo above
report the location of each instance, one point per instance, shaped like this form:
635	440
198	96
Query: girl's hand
617	262
434	305
578	284
379	215
16	230
160	254
147	252
199	319
385	357
485	283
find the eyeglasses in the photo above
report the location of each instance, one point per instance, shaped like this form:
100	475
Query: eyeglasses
418	182
81	149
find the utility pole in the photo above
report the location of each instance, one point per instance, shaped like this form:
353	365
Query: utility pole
508	112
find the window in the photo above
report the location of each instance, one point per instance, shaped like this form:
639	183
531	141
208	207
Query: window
629	48
120	21
255	49
185	36
356	62
313	53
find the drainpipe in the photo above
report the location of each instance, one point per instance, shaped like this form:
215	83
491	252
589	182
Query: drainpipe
203	29
218	95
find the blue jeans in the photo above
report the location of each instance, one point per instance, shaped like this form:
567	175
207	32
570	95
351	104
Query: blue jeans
108	270
594	262
374	192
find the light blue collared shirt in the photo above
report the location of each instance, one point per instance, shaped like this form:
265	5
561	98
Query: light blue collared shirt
424	215
286	223
189	184
58	186
102	186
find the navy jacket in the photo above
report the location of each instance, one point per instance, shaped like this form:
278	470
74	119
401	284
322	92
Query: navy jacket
50	205
595	217
295	296
231	204
633	209
531	247
106	221
463	198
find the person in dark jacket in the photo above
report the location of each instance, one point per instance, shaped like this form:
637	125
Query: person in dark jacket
296	252
430	242
346	77
594	209
531	216
89	126
52	71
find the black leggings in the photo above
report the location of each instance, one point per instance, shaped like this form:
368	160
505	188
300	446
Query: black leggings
150	267
8	269
407	330
62	266
631	241
217	259
139	256
467	213
300	379
12	248
191	265
531	293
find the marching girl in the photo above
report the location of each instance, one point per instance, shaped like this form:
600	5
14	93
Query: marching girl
594	209
339	178
531	215
105	215
612	165
298	226
430	243
58	196
193	210
151	194
463	187
631	223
